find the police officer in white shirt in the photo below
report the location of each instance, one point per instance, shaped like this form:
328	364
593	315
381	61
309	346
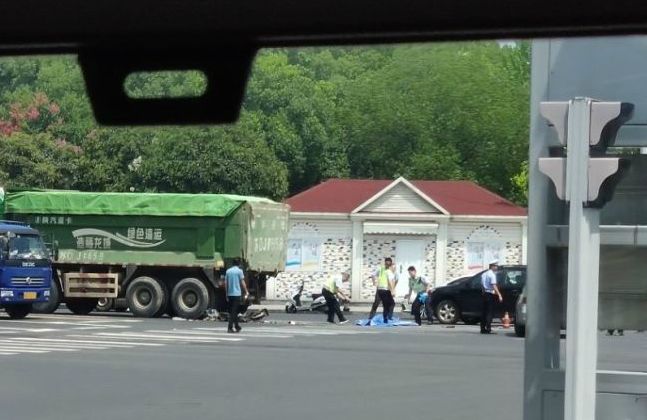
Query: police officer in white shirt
491	294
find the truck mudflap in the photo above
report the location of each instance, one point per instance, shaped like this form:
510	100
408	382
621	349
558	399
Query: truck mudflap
91	285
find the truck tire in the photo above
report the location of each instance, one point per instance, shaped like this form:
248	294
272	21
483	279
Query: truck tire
18	311
81	306
105	304
190	298
146	297
53	303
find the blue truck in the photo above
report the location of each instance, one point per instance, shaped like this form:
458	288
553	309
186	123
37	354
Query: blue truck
25	269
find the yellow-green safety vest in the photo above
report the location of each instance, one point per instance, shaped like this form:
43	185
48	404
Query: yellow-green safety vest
331	285
383	279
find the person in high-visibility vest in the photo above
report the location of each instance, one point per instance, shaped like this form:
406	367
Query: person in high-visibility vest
384	279
388	265
330	291
418	288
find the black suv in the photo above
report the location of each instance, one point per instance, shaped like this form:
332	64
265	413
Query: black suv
461	299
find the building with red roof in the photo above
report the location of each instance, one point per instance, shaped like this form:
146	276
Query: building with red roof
446	229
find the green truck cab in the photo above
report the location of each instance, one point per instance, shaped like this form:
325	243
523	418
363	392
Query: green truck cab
162	253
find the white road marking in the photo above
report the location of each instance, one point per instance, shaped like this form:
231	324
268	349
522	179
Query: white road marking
87	318
27	350
82	346
22	346
219	332
36	330
306	331
124	344
77	324
167	337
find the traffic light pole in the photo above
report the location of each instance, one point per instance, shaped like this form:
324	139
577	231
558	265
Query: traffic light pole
583	271
585	179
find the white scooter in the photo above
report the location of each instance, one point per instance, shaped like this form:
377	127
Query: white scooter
316	302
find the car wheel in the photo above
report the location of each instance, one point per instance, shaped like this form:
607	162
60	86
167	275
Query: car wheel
146	297
190	298
447	312
519	330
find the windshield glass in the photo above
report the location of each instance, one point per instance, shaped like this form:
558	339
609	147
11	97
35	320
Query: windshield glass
26	247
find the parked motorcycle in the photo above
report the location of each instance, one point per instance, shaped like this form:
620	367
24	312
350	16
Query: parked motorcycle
316	302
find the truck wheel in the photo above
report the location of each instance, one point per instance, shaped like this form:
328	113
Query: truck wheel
18	311
81	306
104	304
146	297
190	298
53	303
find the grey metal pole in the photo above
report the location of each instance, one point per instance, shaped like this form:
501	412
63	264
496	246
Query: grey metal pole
583	271
542	328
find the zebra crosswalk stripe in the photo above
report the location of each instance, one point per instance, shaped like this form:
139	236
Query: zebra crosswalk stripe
220	333
164	337
22	347
125	344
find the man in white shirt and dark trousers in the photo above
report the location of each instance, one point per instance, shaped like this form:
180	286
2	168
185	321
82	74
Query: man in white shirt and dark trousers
491	294
330	291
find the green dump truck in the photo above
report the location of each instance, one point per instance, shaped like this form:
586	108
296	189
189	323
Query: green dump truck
162	253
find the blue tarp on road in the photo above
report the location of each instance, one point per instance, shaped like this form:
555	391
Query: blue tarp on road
378	321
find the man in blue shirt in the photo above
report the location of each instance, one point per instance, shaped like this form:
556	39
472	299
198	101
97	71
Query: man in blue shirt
490	294
234	286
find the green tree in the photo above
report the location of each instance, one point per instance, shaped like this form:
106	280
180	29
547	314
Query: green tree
441	111
211	160
520	182
298	113
30	154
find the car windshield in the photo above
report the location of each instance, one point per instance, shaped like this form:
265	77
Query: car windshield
342	158
26	247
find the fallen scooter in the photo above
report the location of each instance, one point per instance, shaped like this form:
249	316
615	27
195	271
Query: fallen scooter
316	303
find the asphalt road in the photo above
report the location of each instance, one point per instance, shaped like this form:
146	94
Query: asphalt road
117	367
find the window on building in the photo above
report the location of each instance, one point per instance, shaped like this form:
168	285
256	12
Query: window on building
480	254
304	254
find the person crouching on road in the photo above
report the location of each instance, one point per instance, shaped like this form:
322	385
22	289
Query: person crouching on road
490	294
330	291
234	287
418	288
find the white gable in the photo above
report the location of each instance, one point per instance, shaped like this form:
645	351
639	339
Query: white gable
400	199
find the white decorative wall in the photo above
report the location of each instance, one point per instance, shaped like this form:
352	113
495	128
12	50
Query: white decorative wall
506	236
335	238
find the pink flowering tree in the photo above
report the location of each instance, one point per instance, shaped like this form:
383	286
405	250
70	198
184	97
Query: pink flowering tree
33	154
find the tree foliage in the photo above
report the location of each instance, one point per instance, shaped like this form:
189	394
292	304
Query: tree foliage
446	111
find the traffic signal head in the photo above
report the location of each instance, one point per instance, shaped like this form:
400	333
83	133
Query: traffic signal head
604	176
606	120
